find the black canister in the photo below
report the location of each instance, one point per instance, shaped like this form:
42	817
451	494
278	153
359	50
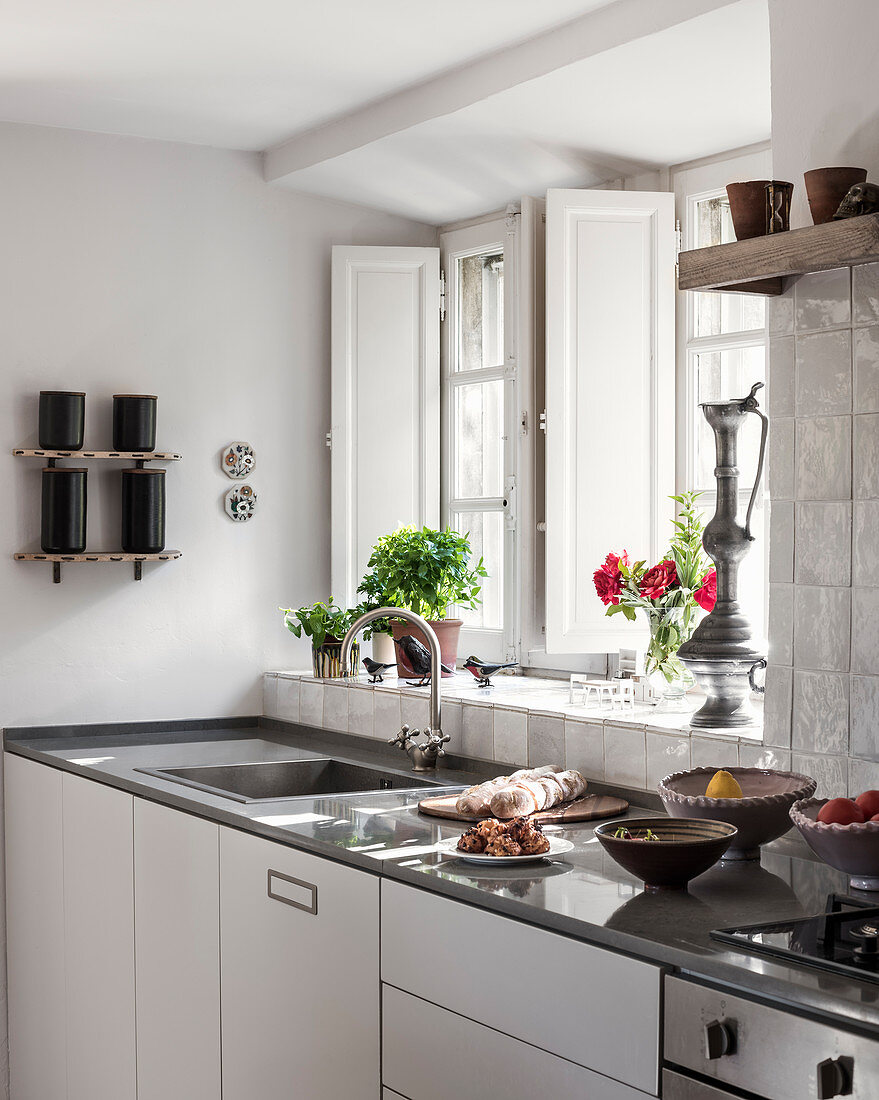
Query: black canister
143	511
64	510
62	420
134	422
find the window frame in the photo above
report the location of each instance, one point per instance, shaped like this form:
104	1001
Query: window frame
496	232
693	184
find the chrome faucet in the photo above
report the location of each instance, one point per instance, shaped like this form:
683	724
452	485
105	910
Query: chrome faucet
423	756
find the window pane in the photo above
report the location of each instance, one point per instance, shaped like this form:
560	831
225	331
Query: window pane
720	376
481	311
722	313
479	443
486	532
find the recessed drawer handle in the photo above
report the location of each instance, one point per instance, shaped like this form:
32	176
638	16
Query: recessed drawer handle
293	891
833	1078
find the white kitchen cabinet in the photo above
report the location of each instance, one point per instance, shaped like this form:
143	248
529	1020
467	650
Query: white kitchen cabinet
98	836
35	931
299	940
432	1054
177	951
610	400
70	887
584	1003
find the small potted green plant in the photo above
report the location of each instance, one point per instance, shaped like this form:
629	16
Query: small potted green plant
428	572
326	625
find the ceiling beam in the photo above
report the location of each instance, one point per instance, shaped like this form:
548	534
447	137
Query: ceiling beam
594	33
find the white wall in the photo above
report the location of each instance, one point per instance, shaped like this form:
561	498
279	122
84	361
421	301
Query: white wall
825	110
146	267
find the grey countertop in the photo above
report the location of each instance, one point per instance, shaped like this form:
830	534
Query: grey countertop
585	895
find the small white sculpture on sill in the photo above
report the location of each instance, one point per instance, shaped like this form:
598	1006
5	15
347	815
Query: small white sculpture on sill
238	461
604	694
240	503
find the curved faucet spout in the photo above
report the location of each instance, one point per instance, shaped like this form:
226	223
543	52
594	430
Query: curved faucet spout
435	730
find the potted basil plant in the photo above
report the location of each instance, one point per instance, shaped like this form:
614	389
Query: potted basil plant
428	572
326	625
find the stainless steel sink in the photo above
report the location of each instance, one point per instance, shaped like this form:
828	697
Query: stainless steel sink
271	780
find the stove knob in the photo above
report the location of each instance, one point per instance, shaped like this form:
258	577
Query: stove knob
833	1080
720	1039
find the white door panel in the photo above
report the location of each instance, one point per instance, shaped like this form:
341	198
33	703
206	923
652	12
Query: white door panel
385	401
610	376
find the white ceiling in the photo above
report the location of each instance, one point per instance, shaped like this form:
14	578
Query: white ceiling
242	74
699	88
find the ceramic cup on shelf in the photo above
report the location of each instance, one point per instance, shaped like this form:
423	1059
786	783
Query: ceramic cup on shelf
134	422
827	187
63	512
62	420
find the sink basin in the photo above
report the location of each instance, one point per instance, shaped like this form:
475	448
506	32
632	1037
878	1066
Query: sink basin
275	779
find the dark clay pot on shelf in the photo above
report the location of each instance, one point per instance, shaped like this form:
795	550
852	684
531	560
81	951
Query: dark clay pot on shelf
63	515
62	420
134	422
143	511
751	207
827	187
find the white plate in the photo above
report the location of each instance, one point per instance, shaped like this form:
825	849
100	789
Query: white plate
557	847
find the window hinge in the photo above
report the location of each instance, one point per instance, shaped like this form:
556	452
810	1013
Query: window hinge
524	422
442	301
542	422
328	440
678	243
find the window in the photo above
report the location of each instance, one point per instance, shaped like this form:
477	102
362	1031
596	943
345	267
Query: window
478	401
722	352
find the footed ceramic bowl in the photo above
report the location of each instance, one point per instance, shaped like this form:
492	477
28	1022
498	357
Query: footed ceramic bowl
853	849
761	815
684	850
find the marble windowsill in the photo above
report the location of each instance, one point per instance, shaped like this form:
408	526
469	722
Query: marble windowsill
524	720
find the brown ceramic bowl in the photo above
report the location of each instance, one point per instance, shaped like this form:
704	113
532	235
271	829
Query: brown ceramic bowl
853	848
684	850
759	816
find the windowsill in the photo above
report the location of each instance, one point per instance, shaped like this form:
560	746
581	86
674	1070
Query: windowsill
551	697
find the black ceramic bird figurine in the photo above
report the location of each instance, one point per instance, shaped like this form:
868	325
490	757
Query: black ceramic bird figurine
418	656
376	668
483	671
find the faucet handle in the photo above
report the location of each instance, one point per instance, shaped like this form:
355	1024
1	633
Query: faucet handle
436	739
401	739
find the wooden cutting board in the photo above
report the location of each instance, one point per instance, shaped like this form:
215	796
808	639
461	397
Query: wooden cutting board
587	808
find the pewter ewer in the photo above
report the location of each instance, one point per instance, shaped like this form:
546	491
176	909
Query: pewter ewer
721	654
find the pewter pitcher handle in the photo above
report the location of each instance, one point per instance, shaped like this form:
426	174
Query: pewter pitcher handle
750	405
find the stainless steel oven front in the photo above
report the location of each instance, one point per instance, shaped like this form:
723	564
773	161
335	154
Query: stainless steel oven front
764	1051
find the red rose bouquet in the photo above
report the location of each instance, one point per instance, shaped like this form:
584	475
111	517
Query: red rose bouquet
669	592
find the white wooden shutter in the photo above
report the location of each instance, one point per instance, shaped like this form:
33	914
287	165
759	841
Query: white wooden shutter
385	401
610	401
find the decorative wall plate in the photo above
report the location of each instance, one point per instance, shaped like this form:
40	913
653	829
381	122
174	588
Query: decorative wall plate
238	460
240	503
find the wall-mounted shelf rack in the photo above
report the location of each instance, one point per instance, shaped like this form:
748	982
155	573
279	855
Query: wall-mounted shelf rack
139	458
57	560
760	265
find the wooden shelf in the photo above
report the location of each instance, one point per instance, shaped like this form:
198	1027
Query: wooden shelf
759	265
101	557
127	456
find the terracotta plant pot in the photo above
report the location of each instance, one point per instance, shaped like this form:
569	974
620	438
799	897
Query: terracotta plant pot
747	205
446	630
326	659
827	187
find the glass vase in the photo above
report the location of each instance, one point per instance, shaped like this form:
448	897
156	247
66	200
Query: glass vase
669	631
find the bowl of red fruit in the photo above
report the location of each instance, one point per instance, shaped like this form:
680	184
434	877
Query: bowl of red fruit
843	832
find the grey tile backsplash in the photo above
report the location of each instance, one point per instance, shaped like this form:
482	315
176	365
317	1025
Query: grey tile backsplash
822	686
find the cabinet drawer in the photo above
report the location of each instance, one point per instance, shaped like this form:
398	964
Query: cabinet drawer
772	1053
430	1053
581	1002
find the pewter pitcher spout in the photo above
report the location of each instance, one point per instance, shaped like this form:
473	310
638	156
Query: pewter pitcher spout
720	653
